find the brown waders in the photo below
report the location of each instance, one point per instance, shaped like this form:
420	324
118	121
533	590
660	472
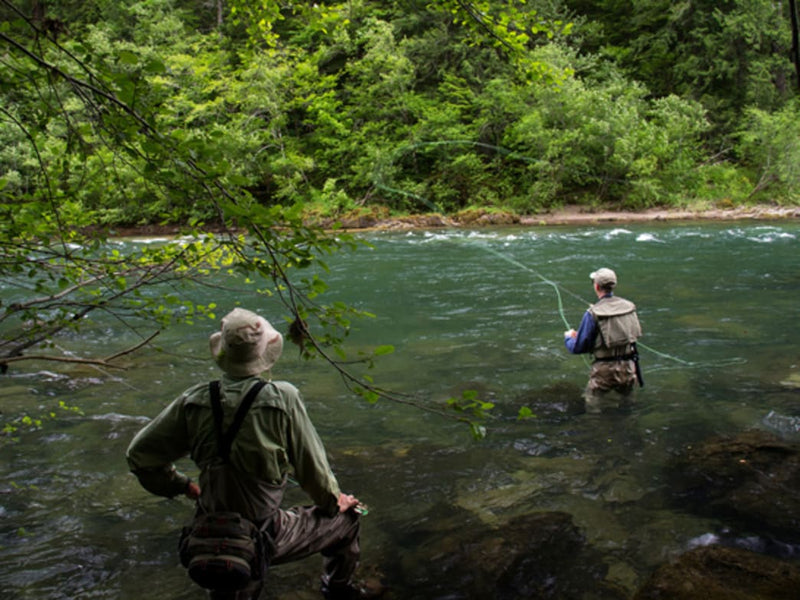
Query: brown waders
609	376
302	531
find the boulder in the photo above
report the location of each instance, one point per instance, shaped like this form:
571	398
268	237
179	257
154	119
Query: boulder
729	478
720	573
539	555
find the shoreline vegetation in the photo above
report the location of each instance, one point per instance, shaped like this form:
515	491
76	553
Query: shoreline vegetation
564	216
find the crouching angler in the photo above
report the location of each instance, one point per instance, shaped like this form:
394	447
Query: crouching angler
245	434
608	330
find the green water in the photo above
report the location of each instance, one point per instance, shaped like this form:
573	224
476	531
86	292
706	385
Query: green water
465	310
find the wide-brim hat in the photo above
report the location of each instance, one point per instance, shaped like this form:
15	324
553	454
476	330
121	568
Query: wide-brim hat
246	344
603	277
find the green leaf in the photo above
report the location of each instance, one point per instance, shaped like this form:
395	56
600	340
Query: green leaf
478	431
525	413
127	57
155	66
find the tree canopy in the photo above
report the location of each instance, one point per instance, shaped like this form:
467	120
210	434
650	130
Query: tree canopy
408	107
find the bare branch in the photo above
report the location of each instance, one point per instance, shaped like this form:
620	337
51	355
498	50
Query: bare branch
63	359
131	349
104	362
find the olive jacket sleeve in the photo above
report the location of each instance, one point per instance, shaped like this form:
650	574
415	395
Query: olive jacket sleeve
309	459
153	450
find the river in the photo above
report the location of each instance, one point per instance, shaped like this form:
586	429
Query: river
480	310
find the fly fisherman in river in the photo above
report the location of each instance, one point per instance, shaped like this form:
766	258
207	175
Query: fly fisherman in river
239	527
609	330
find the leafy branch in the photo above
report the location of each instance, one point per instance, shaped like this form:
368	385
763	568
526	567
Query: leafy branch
82	274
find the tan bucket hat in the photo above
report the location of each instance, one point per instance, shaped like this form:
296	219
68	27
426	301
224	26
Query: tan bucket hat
246	344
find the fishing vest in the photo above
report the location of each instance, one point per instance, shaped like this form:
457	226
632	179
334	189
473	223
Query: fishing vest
618	327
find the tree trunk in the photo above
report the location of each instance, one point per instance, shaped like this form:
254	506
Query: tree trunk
795	40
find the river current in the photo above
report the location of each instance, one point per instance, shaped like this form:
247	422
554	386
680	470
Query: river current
482	310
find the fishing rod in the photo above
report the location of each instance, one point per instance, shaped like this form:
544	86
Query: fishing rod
544	279
681	363
378	182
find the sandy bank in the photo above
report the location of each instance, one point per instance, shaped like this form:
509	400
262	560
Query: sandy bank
577	216
570	215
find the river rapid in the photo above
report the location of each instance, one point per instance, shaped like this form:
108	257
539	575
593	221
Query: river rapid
481	310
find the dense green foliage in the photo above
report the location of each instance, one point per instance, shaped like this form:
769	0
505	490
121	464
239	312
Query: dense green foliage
407	106
93	133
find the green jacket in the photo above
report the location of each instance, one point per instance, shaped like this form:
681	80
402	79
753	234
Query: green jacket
276	436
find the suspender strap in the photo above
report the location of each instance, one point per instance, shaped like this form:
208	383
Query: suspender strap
216	408
225	439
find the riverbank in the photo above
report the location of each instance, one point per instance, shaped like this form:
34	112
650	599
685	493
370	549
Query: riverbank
579	216
568	215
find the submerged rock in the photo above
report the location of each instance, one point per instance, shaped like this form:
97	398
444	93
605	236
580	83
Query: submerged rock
555	402
539	555
719	573
731	478
792	381
784	425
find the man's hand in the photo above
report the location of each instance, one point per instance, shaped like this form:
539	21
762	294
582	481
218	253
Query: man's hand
192	491
570	334
346	502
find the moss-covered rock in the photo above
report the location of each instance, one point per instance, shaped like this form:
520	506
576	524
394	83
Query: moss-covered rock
731	478
538	555
719	573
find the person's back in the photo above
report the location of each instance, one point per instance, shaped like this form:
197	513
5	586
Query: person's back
275	436
275	428
608	330
618	327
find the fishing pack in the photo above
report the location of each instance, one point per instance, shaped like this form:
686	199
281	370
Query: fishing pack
224	550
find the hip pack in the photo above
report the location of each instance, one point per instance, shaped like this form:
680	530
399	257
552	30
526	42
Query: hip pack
224	550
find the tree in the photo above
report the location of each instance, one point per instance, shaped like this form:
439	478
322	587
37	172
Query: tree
97	120
795	40
47	237
727	55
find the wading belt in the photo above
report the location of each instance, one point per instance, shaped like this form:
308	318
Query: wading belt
634	356
225	439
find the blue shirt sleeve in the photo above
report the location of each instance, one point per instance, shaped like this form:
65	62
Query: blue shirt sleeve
587	331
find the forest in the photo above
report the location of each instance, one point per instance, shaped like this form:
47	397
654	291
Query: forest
401	107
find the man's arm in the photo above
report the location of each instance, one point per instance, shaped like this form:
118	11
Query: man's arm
310	462
582	341
153	450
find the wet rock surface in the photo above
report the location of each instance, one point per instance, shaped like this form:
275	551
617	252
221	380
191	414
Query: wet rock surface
557	402
539	555
731	478
720	573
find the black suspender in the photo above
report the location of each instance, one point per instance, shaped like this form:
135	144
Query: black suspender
225	439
